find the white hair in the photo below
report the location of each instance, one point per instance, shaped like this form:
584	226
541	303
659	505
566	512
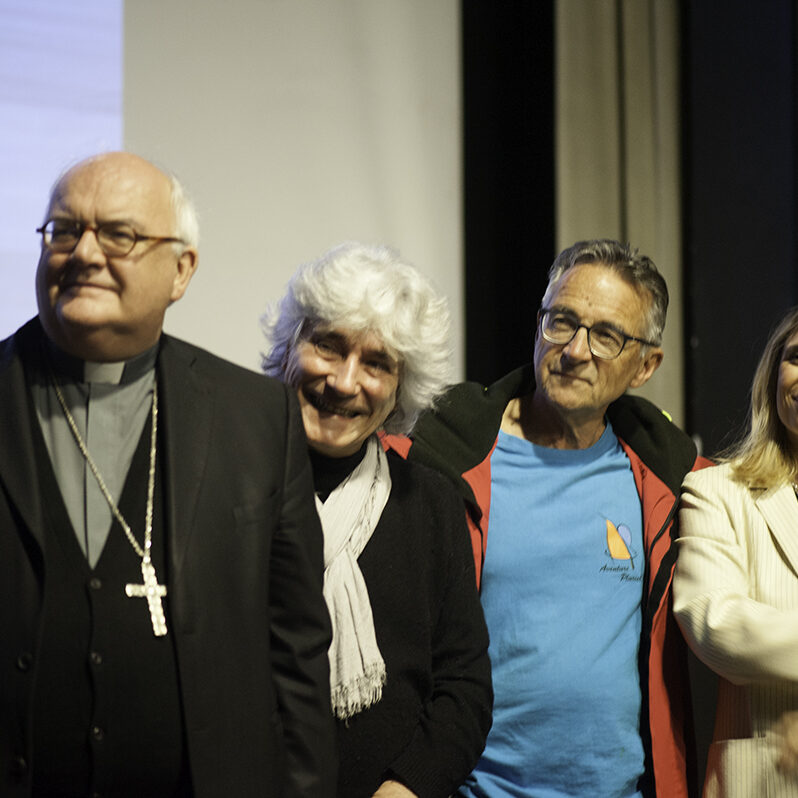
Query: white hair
368	288
186	221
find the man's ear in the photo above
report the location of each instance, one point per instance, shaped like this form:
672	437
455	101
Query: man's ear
648	366
186	266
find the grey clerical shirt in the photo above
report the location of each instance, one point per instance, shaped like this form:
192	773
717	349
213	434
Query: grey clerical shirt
110	403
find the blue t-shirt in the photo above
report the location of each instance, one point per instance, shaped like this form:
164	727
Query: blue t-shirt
562	591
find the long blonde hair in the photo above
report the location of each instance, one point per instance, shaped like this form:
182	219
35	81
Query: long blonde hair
764	457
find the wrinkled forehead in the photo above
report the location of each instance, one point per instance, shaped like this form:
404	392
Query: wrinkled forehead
110	190
601	286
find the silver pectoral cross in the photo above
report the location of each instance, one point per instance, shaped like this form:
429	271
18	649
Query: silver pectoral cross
153	592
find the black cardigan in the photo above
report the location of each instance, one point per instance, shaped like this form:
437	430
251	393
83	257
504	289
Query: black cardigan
429	728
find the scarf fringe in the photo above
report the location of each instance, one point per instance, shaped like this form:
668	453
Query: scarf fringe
360	693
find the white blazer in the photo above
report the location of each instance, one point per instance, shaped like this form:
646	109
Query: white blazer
735	596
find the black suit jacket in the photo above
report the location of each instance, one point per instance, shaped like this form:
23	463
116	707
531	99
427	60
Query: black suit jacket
250	624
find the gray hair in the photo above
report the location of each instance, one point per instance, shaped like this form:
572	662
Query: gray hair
368	288
637	270
763	456
186	219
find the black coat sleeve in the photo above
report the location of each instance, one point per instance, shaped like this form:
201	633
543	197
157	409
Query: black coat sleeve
300	629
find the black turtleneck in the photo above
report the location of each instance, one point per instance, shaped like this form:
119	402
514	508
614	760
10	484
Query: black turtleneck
330	472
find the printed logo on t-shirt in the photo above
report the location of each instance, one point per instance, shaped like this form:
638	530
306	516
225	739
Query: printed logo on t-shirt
621	553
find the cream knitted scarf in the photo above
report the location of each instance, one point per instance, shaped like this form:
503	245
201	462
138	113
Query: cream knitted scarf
348	518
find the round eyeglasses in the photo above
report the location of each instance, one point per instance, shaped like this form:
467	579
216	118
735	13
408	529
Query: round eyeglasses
115	239
605	341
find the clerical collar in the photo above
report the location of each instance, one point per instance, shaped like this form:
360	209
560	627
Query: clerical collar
121	372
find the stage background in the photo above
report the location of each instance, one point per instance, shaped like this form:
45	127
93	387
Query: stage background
479	138
60	100
295	124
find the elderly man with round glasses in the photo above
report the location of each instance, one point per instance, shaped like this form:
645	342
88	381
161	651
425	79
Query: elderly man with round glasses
577	484
163	630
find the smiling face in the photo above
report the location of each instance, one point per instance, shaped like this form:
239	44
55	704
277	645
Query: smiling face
569	378
347	384
111	308
787	389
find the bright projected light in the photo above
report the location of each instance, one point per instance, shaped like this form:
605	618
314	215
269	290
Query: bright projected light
60	100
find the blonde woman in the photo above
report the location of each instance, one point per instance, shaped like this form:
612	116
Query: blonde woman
736	584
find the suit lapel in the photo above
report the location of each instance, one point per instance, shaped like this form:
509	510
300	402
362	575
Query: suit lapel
186	408
17	457
780	511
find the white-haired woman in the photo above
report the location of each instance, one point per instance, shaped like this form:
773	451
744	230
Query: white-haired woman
364	340
736	584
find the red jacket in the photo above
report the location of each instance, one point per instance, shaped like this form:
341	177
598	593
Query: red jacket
459	438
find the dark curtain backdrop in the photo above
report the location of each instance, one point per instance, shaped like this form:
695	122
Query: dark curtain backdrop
508	100
739	200
739	207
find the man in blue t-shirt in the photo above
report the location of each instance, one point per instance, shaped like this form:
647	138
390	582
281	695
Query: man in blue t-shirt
579	483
